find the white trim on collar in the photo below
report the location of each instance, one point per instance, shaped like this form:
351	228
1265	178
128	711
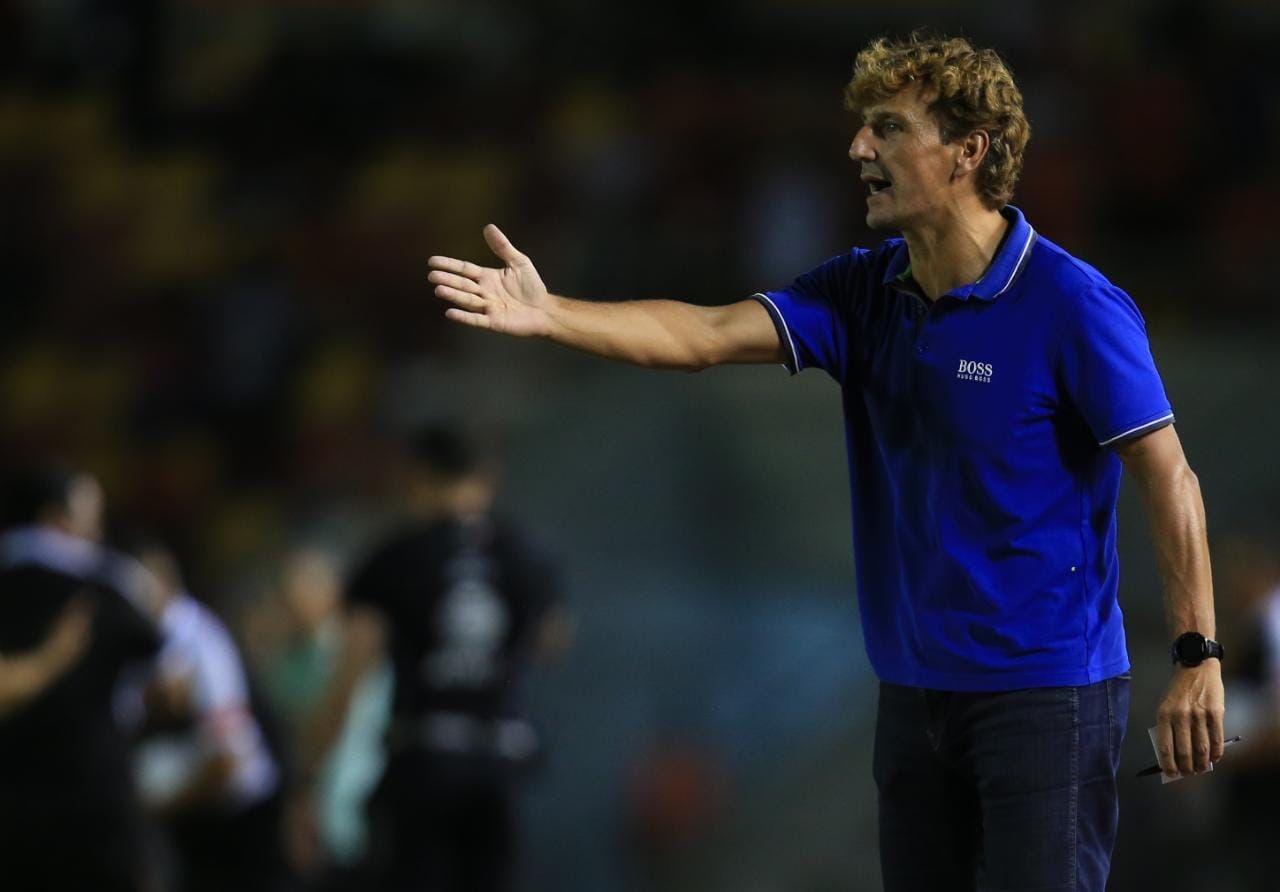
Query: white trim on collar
1022	259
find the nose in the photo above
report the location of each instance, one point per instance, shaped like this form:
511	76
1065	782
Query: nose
861	149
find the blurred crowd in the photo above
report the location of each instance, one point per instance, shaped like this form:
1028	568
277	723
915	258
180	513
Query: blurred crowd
144	747
368	733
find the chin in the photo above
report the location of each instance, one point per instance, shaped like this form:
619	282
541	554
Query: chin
880	221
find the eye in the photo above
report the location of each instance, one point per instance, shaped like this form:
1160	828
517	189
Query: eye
883	127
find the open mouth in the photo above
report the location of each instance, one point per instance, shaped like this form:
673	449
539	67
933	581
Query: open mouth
876	185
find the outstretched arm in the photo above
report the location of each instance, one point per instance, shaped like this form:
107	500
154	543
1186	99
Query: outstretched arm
1189	720
652	333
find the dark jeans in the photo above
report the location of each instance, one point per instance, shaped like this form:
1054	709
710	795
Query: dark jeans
1003	791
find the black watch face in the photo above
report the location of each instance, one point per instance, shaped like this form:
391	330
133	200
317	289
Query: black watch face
1191	648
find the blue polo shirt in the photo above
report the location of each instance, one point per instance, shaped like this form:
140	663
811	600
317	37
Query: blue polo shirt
979	429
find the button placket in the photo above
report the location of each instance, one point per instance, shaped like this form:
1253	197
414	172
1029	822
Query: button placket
922	328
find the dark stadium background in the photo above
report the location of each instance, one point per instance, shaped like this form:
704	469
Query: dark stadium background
214	224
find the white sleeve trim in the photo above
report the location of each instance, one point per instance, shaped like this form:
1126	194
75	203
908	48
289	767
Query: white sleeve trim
1133	430
777	315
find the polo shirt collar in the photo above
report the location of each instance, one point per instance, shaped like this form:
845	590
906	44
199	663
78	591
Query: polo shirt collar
1006	266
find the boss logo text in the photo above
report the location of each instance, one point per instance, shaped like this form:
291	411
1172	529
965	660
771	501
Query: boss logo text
974	371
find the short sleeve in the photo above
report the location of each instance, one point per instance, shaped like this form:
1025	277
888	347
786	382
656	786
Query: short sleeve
220	681
222	693
812	315
1107	369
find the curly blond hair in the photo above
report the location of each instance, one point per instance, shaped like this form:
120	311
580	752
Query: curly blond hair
967	89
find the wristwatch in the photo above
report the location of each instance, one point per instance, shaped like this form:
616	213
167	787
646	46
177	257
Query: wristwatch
1192	649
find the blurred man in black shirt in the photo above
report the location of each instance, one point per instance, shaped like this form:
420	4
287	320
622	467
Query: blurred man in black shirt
68	817
461	604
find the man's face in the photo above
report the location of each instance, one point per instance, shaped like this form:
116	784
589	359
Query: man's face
906	167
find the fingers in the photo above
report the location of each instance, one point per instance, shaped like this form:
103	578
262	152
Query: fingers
455	282
453	265
463	299
498	243
1217	738
1183	755
458	283
1200	744
1164	747
501	246
1189	735
475	320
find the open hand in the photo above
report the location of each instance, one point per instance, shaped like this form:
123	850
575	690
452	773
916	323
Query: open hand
511	300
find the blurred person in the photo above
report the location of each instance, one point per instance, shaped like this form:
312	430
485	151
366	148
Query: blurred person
462	604
68	812
296	670
306	601
206	770
993	389
1251	582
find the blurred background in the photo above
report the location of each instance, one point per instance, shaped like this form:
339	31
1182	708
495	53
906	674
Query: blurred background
214	224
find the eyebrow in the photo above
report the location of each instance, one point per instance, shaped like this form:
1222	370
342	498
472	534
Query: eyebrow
879	117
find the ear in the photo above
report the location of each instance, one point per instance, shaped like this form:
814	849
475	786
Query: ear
973	148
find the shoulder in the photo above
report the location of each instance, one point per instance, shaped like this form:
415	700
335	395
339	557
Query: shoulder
212	630
399	545
211	643
1076	289
1053	269
848	279
86	563
191	626
871	263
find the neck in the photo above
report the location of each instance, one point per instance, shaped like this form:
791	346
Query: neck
954	249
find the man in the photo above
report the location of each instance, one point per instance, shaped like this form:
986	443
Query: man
205	769
69	819
993	387
462	605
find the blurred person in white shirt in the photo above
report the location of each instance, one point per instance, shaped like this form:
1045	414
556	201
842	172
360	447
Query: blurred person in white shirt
205	767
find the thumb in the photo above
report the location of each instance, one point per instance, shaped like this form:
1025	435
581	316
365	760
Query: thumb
501	245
